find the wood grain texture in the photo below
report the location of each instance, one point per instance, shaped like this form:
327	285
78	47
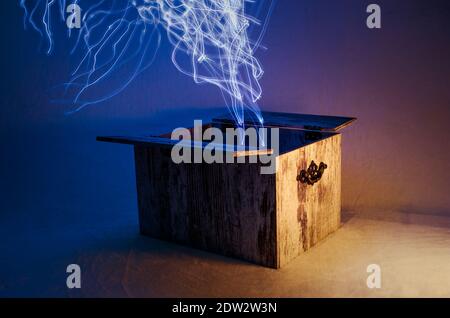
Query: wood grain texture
233	210
223	208
307	214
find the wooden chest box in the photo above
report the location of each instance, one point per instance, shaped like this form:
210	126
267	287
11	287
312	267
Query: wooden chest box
233	209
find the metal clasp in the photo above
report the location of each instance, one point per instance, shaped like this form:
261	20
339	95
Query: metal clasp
313	174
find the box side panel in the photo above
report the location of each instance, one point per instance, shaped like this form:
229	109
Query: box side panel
223	208
306	214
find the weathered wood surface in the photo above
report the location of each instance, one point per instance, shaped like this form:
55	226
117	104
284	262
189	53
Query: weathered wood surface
233	210
306	214
299	121
223	208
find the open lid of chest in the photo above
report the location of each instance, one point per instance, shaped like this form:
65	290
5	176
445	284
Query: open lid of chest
294	131
295	121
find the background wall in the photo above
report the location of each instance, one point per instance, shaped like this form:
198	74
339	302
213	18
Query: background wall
321	59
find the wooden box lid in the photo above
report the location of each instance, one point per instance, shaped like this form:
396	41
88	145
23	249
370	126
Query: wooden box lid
236	150
296	131
296	121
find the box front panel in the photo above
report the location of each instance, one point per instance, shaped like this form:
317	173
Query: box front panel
223	208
